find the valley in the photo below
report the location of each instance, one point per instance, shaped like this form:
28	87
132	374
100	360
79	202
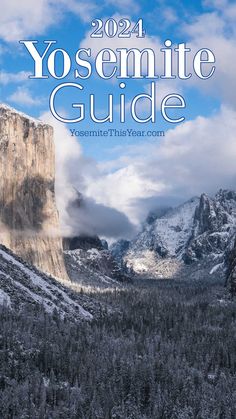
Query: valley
139	329
165	350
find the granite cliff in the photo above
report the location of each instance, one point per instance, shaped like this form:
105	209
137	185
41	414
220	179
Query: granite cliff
29	222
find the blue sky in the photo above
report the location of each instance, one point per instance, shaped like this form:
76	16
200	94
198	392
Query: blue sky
160	22
156	170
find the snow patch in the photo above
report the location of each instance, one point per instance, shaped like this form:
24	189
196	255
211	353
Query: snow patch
21	114
49	289
5	298
215	268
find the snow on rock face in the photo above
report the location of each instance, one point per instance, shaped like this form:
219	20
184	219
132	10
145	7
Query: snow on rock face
90	263
174	229
214	225
168	234
21	284
148	265
164	238
94	268
4	298
11	110
200	228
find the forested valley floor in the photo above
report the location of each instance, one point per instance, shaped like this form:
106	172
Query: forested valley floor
161	349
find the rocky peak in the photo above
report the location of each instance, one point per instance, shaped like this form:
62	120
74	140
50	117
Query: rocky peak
214	223
214	213
205	217
29	223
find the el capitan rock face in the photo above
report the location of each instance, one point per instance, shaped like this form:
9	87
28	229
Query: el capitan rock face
29	223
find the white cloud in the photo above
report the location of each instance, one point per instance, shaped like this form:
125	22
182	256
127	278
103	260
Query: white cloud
20	19
169	15
74	172
195	157
7	78
217	31
198	156
124	5
163	88
129	187
23	96
84	10
218	4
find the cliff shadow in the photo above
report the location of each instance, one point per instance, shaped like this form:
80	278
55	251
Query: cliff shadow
26	210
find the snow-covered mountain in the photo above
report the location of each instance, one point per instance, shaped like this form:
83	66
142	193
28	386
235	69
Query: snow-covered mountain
23	285
90	263
168	235
93	268
199	229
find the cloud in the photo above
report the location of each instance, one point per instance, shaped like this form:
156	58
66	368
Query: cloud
124	5
74	172
216	4
163	88
23	96
7	78
92	218
84	10
20	19
169	15
198	156
216	30
130	186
